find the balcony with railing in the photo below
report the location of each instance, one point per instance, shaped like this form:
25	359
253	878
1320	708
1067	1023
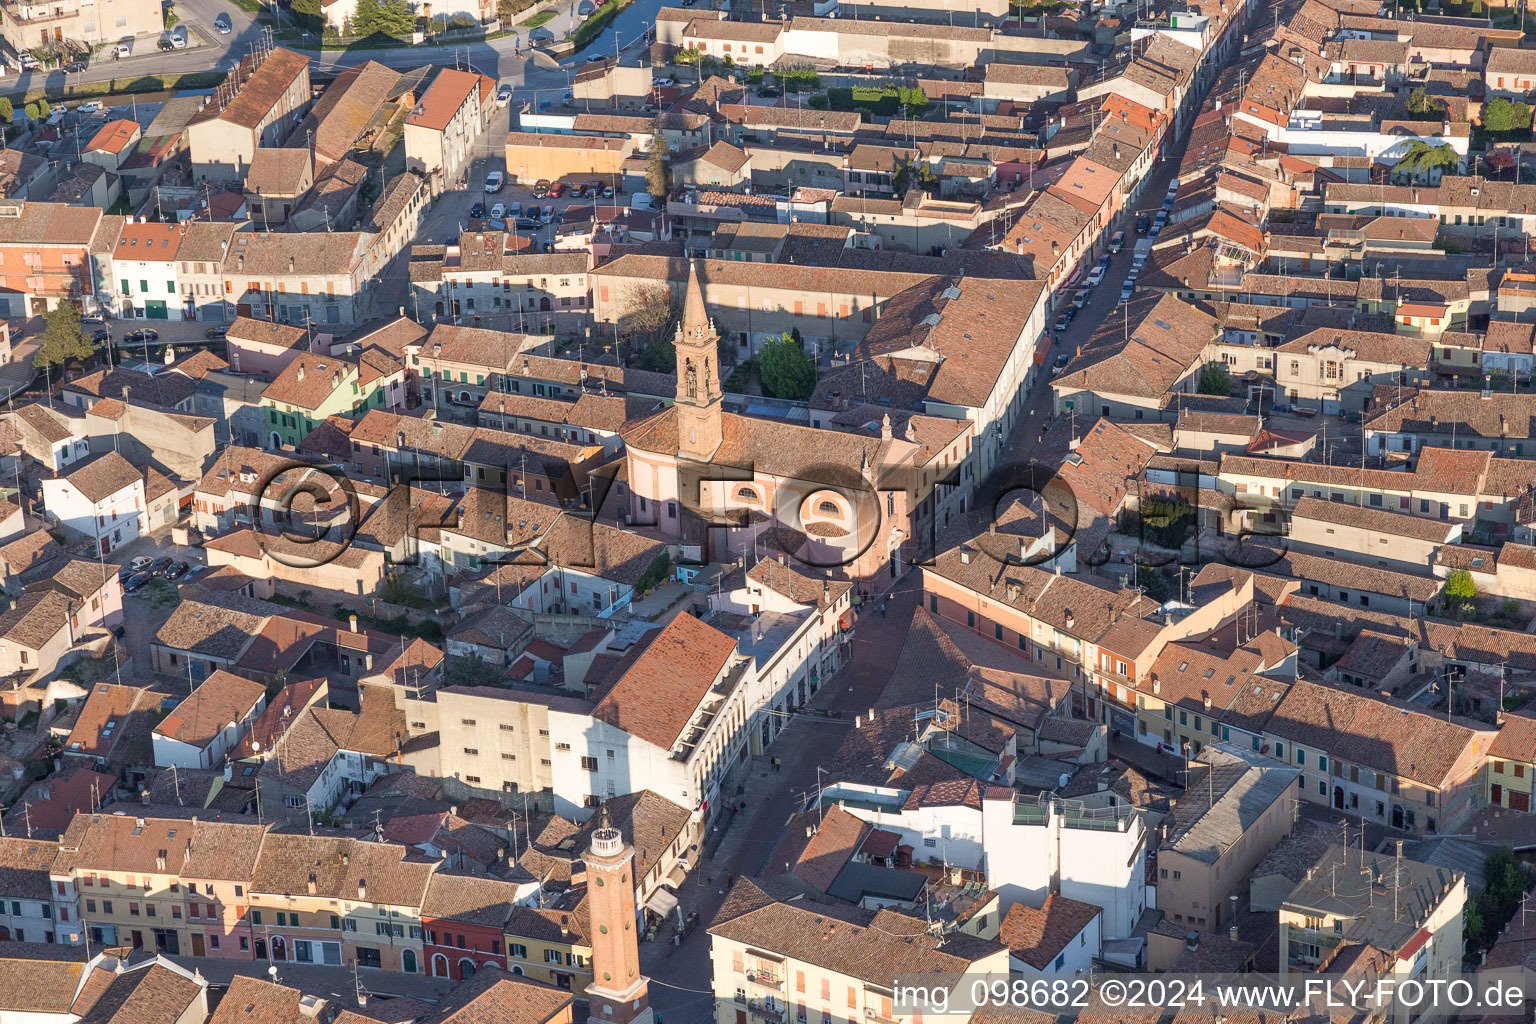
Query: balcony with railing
766	1009
764	977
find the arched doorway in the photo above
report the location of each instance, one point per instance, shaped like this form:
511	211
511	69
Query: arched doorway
464	397
1338	797
544	304
517	970
439	966
408	961
279	948
466	969
277	440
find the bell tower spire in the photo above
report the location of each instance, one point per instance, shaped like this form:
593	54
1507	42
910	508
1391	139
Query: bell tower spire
699	431
619	992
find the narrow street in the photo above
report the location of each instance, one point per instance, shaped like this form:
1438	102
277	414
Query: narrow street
680	976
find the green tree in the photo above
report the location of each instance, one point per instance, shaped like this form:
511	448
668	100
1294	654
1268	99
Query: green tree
686	56
658	172
31	110
915	175
63	337
1459	586
1421	158
1214	380
43	109
787	371
1420	105
1500	116
308	15
819	101
6	110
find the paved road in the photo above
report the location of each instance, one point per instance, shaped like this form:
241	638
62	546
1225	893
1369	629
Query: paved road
680	985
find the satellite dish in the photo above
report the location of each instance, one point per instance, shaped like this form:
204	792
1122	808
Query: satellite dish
255	744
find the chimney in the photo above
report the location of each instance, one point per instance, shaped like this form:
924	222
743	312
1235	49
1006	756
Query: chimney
311	884
368	661
290	264
352	622
362	888
301	369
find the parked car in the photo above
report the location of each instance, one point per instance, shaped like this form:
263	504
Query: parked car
165	44
93	318
221	24
1117	241
100	337
547	215
541	188
503	96
514	210
1160	219
1168	205
222	330
136	582
74	67
29	62
498	212
1080	298
527	224
142	335
1060	364
770	92
557	190
1064	321
1126	292
595	59
1142	223
140	563
1095	277
1157	229
159	565
607	191
121	50
1134	274
178	41
177	571
478	210
493	182
663	82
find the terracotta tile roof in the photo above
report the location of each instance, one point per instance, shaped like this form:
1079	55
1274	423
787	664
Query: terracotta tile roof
872	947
279	172
31	986
1393	738
51	223
103	476
837	839
273	721
220	700
50	804
1374	519
340	868
1516	740
661	690
1037	935
114	137
166	390
106	717
449	91
1168	338
346	107
468	900
145	994
308	381
493	996
262	86
258	1001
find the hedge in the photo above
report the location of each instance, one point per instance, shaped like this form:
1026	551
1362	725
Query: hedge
119	87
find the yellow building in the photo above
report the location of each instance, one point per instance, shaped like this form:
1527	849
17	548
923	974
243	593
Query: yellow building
330	900
553	943
1511	764
133	876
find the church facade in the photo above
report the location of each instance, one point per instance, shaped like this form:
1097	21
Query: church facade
840	502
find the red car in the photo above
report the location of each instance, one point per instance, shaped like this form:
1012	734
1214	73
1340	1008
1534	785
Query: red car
557	190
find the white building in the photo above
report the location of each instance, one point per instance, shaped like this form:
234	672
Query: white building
102	499
1028	848
674	722
144	278
795	634
205	727
440	133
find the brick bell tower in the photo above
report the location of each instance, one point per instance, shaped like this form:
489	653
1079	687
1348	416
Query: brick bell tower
699	430
619	992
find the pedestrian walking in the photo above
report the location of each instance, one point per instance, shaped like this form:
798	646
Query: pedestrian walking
882	609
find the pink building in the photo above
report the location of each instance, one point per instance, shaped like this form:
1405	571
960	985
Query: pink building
262	348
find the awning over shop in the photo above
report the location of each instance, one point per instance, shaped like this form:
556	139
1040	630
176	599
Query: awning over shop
662	902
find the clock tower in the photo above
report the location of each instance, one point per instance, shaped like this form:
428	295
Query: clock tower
619	992
698	377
